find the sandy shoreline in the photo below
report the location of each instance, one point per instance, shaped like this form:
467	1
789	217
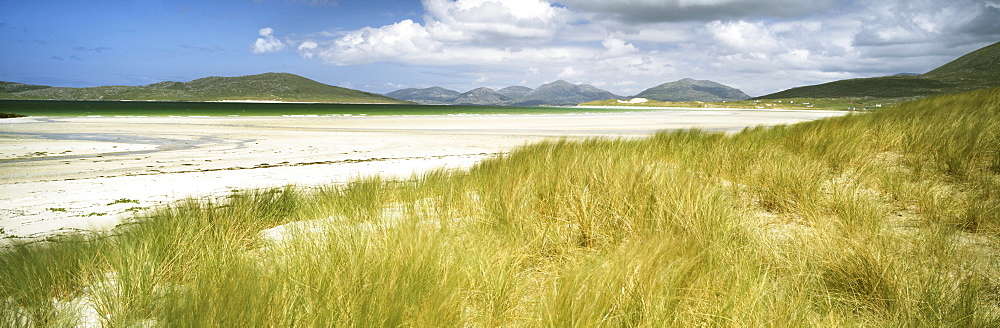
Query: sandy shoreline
66	173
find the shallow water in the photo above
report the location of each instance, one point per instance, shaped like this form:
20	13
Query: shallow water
61	108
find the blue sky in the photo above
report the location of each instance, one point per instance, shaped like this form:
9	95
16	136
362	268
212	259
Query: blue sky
379	46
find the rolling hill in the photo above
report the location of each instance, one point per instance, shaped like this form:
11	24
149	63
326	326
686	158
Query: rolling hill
976	70
693	90
515	92
564	93
261	87
481	96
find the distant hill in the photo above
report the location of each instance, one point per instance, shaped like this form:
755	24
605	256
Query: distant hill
564	93
11	87
426	96
517	93
264	87
693	90
555	93
481	96
976	70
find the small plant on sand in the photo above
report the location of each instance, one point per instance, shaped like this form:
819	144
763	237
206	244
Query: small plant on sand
124	201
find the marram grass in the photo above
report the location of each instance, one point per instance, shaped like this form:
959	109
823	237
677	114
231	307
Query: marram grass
889	218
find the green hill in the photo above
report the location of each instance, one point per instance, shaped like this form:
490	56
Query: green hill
564	93
427	96
976	70
11	87
692	90
262	87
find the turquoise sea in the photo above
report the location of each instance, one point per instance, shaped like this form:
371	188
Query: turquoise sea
173	108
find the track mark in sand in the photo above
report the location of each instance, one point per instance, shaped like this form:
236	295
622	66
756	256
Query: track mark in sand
288	164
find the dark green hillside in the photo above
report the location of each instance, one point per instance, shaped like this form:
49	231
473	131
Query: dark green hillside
877	87
263	87
976	70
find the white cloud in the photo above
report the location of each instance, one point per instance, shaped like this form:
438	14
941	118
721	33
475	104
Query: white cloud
454	32
568	72
744	37
617	47
493	21
628	45
699	10
268	43
945	24
306	49
386	43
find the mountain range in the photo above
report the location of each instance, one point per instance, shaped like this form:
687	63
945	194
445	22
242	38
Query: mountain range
260	87
976	70
556	93
565	93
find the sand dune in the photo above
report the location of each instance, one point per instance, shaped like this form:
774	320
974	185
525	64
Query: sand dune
65	174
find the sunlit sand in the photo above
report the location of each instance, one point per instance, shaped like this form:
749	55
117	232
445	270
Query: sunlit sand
66	174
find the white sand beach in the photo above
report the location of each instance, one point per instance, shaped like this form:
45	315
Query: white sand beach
63	174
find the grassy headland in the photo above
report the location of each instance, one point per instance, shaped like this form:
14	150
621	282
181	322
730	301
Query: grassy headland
261	87
887	218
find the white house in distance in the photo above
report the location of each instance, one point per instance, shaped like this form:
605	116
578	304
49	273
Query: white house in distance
633	101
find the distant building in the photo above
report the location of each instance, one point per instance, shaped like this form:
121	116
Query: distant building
633	101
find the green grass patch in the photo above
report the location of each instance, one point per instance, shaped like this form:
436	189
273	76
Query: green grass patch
124	201
834	103
887	218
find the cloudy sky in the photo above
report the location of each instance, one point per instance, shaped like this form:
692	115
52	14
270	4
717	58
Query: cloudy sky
624	46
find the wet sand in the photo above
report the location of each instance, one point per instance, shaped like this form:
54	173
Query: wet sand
62	174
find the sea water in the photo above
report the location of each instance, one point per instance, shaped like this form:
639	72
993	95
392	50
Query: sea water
63	108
